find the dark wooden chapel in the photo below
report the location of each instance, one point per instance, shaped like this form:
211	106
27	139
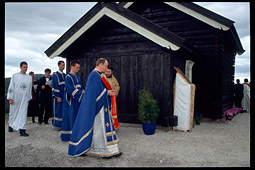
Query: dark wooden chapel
144	41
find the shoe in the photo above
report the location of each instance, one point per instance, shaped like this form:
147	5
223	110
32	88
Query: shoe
46	123
83	155
23	133
10	129
118	155
39	123
107	157
58	129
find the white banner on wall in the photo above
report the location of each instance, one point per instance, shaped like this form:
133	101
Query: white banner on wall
183	102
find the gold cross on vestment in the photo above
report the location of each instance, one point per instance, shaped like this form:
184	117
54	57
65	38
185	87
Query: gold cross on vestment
105	109
107	124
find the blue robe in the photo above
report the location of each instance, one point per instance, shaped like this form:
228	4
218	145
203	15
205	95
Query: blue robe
58	85
71	103
93	130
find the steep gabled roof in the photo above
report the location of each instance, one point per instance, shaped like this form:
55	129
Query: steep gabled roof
204	15
122	15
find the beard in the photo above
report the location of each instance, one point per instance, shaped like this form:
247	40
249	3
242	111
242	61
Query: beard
109	76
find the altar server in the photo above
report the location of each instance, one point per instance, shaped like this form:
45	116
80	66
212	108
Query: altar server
19	93
58	85
72	97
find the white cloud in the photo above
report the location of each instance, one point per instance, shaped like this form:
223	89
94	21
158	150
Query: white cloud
30	28
26	50
239	12
244	59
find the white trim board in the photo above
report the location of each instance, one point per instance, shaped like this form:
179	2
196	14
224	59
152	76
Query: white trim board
124	21
192	13
198	16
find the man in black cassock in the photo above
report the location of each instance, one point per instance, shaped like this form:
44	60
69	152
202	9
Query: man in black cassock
238	93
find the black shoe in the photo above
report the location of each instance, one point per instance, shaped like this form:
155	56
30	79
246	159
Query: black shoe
39	122
118	155
46	123
83	155
23	133
10	129
107	157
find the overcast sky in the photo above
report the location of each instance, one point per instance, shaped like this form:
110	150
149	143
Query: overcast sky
30	28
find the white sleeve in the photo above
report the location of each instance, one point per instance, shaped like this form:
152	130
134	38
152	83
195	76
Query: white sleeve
30	89
11	88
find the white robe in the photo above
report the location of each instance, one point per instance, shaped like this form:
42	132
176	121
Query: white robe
99	146
246	98
20	91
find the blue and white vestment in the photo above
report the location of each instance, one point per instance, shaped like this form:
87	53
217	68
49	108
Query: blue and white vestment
93	131
58	85
71	103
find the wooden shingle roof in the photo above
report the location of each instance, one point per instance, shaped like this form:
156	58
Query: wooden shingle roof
122	15
206	16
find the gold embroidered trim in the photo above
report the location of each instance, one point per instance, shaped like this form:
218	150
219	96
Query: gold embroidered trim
77	143
71	79
110	134
78	85
98	98
75	91
60	83
66	132
81	96
57	77
55	90
59	119
107	124
112	142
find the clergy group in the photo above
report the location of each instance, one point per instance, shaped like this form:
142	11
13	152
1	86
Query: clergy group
83	115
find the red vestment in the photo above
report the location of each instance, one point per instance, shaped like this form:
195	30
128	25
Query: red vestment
114	105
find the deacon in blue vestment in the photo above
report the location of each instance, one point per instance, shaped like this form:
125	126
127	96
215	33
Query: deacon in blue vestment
58	85
72	96
93	131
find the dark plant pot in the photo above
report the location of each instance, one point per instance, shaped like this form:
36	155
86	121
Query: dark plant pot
173	120
149	128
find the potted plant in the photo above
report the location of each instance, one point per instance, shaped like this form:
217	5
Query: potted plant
198	117
148	111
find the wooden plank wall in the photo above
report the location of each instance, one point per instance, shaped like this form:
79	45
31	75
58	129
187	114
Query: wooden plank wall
227	62
212	74
134	72
138	63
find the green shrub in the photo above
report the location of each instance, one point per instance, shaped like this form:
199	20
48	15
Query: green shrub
148	110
